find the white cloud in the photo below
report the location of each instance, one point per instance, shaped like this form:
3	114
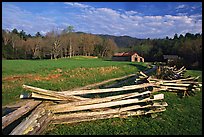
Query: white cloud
76	4
160	27
129	22
181	6
182	14
107	12
131	12
14	17
102	21
119	22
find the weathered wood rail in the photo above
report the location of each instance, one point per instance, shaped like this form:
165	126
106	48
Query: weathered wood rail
11	117
173	81
71	107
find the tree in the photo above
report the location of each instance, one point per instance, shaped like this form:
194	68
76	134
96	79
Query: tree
15	31
69	30
75	43
143	50
14	39
197	35
175	36
35	44
181	36
29	36
54	40
38	34
6	35
189	35
158	55
23	35
108	47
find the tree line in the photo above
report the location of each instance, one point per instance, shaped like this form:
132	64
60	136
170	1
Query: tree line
188	47
67	43
55	44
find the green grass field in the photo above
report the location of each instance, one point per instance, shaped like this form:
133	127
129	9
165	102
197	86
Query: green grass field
61	74
182	117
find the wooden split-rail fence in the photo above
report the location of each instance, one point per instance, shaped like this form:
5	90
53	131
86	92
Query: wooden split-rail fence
173	80
74	106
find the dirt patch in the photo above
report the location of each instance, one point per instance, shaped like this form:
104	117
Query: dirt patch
74	73
31	77
49	77
52	76
14	78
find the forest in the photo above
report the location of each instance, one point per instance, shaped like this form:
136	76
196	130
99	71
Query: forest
67	43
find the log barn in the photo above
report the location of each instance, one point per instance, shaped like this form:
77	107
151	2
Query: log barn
127	56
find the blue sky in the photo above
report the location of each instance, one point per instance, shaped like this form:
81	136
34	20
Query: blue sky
135	19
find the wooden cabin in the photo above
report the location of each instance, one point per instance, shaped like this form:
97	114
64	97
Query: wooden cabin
127	56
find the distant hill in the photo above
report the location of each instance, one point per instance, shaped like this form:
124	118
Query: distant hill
121	41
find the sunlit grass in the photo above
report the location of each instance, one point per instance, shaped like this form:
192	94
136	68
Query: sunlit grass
61	74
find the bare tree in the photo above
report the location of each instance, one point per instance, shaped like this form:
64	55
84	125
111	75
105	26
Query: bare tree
54	42
56	48
14	39
6	37
25	47
34	46
69	31
108	47
37	47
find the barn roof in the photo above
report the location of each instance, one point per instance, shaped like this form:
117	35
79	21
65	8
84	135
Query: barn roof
122	54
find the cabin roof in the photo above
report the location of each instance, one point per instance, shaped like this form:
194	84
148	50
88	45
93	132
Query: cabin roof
122	54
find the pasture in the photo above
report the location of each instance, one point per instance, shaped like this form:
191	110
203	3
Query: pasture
182	117
61	74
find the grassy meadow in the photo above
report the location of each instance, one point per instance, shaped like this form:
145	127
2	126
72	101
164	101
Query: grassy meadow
61	74
182	117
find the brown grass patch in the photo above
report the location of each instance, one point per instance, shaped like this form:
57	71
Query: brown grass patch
31	77
106	70
14	78
80	73
52	76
